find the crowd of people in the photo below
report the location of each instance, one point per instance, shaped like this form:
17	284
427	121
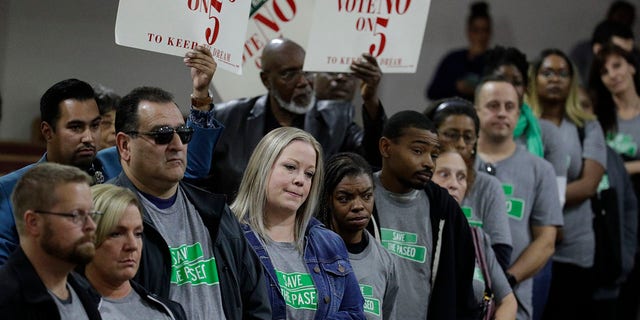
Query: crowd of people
510	197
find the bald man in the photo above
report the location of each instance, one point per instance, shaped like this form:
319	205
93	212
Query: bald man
290	101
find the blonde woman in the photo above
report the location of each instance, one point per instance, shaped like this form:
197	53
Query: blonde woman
306	265
118	250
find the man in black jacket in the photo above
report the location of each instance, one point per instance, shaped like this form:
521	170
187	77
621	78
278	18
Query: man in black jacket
194	250
421	224
54	218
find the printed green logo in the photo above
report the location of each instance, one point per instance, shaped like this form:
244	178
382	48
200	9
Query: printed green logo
403	245
477	274
604	183
468	213
622	144
371	304
189	266
298	290
515	206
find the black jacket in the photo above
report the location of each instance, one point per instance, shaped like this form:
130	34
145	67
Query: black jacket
24	296
242	283
451	290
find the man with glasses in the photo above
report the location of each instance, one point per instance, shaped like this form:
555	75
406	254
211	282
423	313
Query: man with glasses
55	219
71	127
194	250
290	101
528	181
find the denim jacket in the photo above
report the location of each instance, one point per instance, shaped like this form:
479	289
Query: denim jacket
325	254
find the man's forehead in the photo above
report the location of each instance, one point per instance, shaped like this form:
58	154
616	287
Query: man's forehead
153	113
499	89
417	135
79	109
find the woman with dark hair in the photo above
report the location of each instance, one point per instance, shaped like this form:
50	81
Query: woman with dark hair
553	94
456	175
346	206
485	203
460	70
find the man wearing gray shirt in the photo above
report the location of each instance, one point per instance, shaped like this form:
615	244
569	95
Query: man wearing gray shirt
54	218
194	250
529	183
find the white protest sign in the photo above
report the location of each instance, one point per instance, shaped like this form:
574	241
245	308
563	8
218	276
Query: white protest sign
177	26
269	19
390	30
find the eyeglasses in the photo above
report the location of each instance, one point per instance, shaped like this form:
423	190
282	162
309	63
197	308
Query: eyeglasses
548	73
453	135
78	217
164	135
294	75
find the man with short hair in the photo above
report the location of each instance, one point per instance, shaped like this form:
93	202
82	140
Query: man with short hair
55	220
290	101
422	224
194	250
529	183
71	127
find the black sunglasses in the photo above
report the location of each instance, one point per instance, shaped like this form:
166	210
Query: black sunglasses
164	135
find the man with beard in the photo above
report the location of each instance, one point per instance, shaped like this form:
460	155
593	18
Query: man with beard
71	127
528	181
422	224
290	101
55	219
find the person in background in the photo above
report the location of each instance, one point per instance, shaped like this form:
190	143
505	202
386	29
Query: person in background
459	71
118	244
346	207
456	175
307	266
291	102
528	182
107	101
55	221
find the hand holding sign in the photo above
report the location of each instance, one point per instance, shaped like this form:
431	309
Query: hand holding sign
202	69
367	70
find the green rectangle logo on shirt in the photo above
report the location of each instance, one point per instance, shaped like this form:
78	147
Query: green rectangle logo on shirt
186	254
515	208
508	189
298	290
199	272
468	212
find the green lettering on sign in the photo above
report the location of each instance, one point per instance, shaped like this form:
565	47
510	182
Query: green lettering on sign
399	236
199	272
186	254
367	291
255	6
371	304
298	290
402	244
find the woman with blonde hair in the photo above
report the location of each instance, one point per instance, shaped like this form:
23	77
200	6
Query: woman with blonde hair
553	95
118	250
306	265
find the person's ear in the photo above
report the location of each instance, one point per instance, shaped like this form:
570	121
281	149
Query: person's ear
384	145
123	143
47	130
596	48
31	222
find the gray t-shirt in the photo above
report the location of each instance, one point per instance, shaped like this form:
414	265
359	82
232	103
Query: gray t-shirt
194	273
625	142
532	200
485	206
71	308
405	230
375	269
296	284
578	243
130	307
499	284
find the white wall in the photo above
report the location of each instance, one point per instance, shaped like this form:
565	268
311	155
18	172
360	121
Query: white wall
43	42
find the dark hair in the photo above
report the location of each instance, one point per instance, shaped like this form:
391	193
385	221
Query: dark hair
625	8
106	98
339	166
548	52
501	56
406	119
127	115
606	30
479	10
604	106
442	109
63	90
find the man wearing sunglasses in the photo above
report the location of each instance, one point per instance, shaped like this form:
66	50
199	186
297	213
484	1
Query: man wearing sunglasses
194	250
533	206
55	219
71	128
290	101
